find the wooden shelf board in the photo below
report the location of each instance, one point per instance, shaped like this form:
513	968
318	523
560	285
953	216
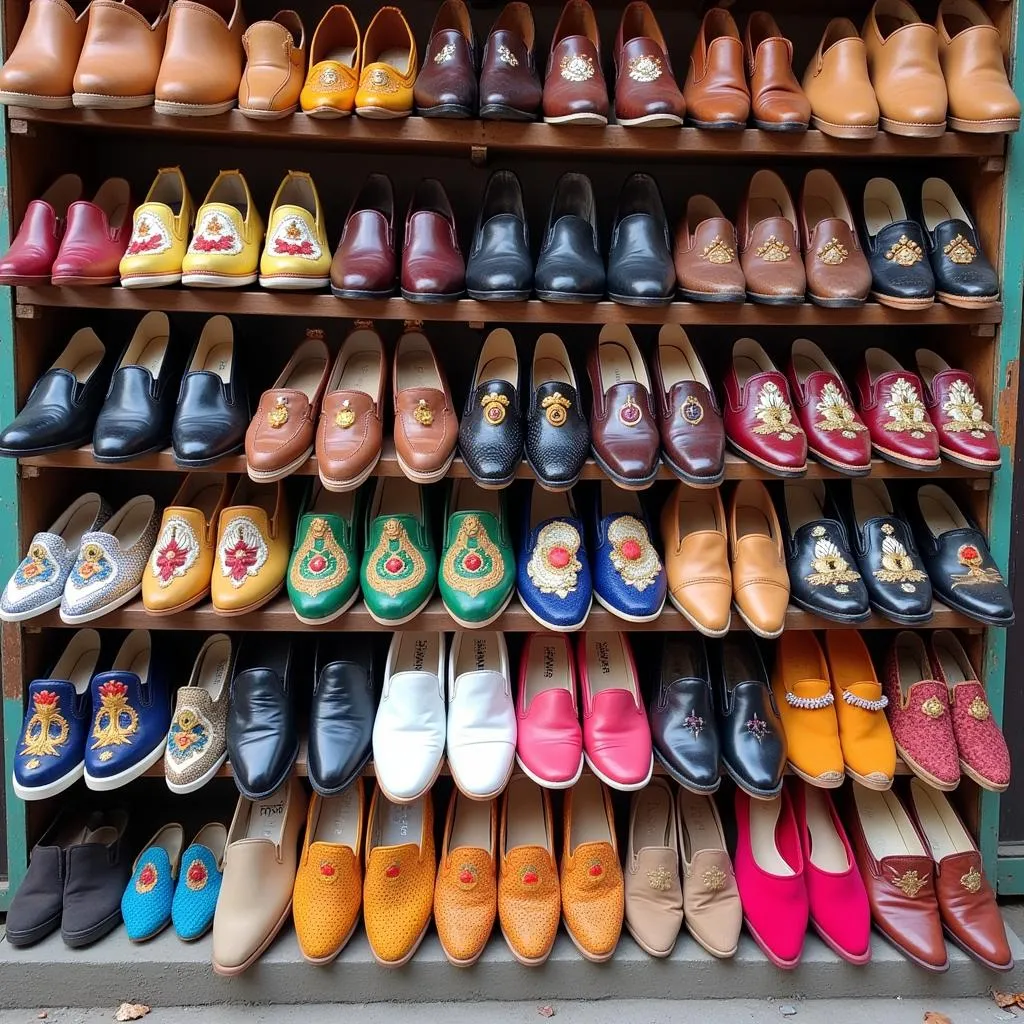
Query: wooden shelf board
420	134
735	467
313	305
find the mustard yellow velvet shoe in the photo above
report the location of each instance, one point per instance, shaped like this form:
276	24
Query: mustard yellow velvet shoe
225	247
159	233
334	60
296	255
389	67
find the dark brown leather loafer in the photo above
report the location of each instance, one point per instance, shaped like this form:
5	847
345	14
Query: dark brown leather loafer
509	83
446	86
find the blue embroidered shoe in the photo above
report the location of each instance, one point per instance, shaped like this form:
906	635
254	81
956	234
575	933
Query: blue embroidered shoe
202	868
37	585
554	574
131	709
629	578
50	755
146	903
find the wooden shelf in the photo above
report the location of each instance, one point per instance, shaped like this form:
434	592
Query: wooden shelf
426	135
313	305
735	467
278	616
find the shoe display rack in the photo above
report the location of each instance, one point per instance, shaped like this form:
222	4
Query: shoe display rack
36	321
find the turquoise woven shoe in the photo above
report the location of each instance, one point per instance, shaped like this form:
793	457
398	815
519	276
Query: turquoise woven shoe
146	903
195	898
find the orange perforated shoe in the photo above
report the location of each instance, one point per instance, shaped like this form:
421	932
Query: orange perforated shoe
329	883
466	894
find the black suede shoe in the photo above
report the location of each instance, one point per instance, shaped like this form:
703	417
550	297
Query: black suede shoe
682	715
136	416
61	408
571	267
213	405
753	745
261	737
641	271
823	575
341	716
500	267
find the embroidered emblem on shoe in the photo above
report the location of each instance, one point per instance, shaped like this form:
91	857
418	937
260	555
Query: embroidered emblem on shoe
863	703
197	876
645	68
973	560
809	703
529	875
830	568
328	78
694	723
216	234
965	411
445	54
395	565
691	411
907	410
278	416
933	708
494	406
47	729
577	67
971	881
149	236
382	80
467	877
345	417
320	563
244	551
774	412
392	871
897	565
979	710
116	721
595	869
556	409
718	252
553	566
37	568
328	872
910	883
176	551
904	252
660	879
632	554
94	566
757	727
836	412
714	879
188	737
293	237
507	56
422	413
473	563
148	877
833	252
960	251
773	251
629	412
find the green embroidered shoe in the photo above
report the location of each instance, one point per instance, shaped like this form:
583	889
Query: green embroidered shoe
399	561
323	573
478	567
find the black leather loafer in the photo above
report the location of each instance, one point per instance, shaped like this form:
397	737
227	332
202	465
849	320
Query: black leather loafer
571	267
500	268
641	271
213	404
682	715
823	574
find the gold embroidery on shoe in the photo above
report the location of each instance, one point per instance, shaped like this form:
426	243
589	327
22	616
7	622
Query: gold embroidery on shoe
577	67
473	563
494	406
833	252
382	80
897	565
320	563
773	251
555	408
972	880
553	566
40	738
836	412
660	878
830	568
445	54
507	56
33	763
979	710
633	555
629	412
910	883
345	417
328	78
905	253
718	252
714	879
960	251
965	411
933	708
116	721
422	413
395	565
908	413
645	68
278	416
972	559
691	411
773	411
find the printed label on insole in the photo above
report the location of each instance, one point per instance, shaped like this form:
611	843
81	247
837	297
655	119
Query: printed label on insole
550	657
268	819
480	650
420	648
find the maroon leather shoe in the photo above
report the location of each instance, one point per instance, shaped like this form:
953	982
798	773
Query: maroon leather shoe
510	87
836	435
574	87
96	237
364	264
759	420
965	437
433	269
646	93
30	257
892	409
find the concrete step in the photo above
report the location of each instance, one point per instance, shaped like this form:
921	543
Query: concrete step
168	972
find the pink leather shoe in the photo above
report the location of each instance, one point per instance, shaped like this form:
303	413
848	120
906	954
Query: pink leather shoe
549	744
616	736
769	866
31	255
838	901
96	237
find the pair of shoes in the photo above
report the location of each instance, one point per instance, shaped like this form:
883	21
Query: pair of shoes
414	725
169	885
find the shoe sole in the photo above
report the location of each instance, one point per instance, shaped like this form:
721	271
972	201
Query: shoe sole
995	126
250	607
906	461
293	283
329	618
620	481
844	131
77	620
687	784
25	616
817	781
624	616
432	298
846	468
699	483
868	783
901	303
500	112
465	624
966	301
548	783
633	300
51	788
980	780
97	101
757	630
902	620
106	783
203	463
79	940
550	625
268	115
924	130
175	109
139	281
783	127
271	476
455	111
191	787
622	787
925	776
349	293
327	113
382	113
405	618
653	121
725	297
27	99
969	463
507	296
425	478
578	119
215	280
320	961
570	298
783	471
231	972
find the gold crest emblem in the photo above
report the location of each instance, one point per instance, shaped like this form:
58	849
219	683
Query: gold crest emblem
577	67
714	879
345	417
833	252
278	416
717	252
494	406
979	710
422	414
960	251
910	883
660	878
645	68
773	251
905	252
972	880
556	409
933	708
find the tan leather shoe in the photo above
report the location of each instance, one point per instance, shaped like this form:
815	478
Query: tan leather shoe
711	901
275	53
770	242
759	574
903	58
41	68
202	65
716	91
776	99
121	56
654	894
259	871
971	54
838	85
693	532
389	67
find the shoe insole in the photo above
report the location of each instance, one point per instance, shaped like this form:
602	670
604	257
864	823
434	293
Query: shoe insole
212	673
332	503
170	839
77	664
764	819
147	352
939	512
801	660
677	366
817	209
547	505
802	505
415	366
266	818
912	661
751	521
78	360
827	850
112	197
338	821
214	836
617	501
698	516
804	364
879	361
652	819
167	190
588	822
417	652
942	829
699	824
398	57
887	24
879	213
62	193
260	496
886	827
206	498
952	657
848	659
218	361
396	824
746	367
479	651
69	834
499	368
547	667
739	663
298	192
363	372
467	497
526	823
343	55
305	376
607	666
938	203
79	525
870	501
231	192
471	827
397	496
104	835
133	524
546	370
617	366
681	660
929	363
762	207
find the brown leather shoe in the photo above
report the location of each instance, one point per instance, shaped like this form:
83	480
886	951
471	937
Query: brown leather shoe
426	427
574	89
971	55
280	436
770	243
364	264
716	90
202	65
509	83
350	433
275	67
707	267
837	269
623	430
433	269
777	101
759	576
646	92
838	86
903	58
121	55
40	71
446	86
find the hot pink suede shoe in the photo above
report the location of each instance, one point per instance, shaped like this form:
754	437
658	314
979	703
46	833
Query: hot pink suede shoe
549	743
984	756
769	868
839	908
616	736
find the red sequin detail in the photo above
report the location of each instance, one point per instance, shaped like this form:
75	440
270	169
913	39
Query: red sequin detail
631	550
